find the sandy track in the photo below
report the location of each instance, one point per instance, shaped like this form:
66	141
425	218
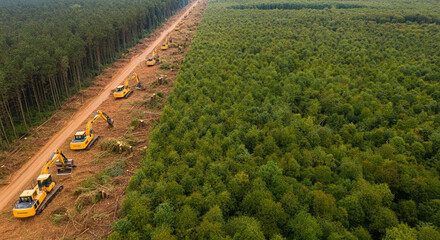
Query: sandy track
26	174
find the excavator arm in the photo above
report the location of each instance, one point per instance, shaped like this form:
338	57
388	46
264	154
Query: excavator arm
105	117
98	114
126	83
155	55
64	165
138	82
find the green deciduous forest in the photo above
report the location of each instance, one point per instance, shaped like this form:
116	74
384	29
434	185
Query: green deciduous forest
298	120
51	49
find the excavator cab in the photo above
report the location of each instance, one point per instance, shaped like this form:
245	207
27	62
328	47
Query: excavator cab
45	182
27	196
26	199
79	136
120	88
151	61
80	140
25	204
177	28
121	92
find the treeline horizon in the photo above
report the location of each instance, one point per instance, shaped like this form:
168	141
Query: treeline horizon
49	50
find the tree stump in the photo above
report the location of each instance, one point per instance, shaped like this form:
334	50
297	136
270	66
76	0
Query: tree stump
119	147
104	194
141	124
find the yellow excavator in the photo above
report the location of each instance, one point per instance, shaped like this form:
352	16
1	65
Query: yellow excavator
32	202
153	60
165	44
170	40
124	91
177	28
85	139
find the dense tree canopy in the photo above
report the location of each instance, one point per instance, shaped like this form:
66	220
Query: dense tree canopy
51	49
300	123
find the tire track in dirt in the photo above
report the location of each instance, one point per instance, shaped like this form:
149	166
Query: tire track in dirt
28	172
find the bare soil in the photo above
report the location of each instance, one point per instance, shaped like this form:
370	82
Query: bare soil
95	220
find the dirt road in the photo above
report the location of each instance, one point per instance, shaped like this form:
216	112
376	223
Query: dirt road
28	173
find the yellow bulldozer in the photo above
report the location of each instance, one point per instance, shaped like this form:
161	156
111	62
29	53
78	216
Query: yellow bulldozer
124	91
85	139
33	201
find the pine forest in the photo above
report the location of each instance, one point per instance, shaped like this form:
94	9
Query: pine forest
51	49
298	120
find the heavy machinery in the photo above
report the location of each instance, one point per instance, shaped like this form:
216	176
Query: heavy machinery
124	91
85	139
177	28
170	40
154	59
32	202
165	44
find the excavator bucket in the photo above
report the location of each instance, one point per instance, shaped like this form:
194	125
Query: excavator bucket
110	121
64	171
67	169
139	86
